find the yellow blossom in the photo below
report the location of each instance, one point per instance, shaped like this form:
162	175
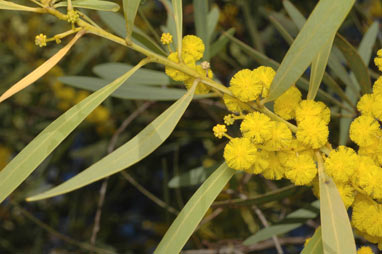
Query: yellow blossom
281	137
374	151
201	88
368	177
275	170
367	215
219	130
178	75
257	127
245	85
377	107
309	109
378	60
301	169
365	104
265	75
240	153
341	164
365	250
312	132
166	38
364	130
377	87
234	105
193	46
261	163
285	105
40	40
346	191
72	16
229	119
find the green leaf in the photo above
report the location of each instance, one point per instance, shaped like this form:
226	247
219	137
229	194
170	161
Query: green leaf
130	8
200	17
192	213
99	5
260	199
295	14
110	71
337	234
314	246
170	22
190	178
143	144
318	69
6	5
40	147
221	43
312	37
291	221
128	91
116	23
178	16
283	32
356	63
365	48
212	21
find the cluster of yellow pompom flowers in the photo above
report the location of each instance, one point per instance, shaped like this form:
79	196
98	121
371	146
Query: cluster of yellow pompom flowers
271	145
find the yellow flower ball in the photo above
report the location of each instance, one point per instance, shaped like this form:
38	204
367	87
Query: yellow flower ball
166	38
374	151
301	169
346	191
378	60
257	127
193	46
40	40
265	75
229	119
178	75
377	107
275	170
245	85
312	132
285	105
341	164
308	109
201	88
364	130
261	163
368	177
240	154
365	250
365	104
367	215
377	87
234	105
219	130
281	137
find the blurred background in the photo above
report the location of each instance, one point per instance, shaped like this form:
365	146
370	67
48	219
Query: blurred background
138	205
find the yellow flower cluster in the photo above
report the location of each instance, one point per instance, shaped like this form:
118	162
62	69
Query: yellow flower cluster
192	51
267	145
365	250
40	40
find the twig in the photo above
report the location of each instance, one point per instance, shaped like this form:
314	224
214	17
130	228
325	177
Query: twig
148	194
57	234
103	189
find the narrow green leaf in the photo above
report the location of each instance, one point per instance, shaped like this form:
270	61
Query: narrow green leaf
365	48
128	91
283	32
143	144
178	16
192	213
130	8
309	42
221	43
170	22
356	63
200	17
6	5
190	178
110	71
117	24
295	14
212	21
291	221
318	69
99	5
337	234
40	147
314	246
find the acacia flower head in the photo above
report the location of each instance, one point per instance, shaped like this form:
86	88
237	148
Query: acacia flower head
72	16
312	132
257	127
40	40
240	153
193	46
365	250
245	85
341	164
378	60
166	38
265	75
219	130
285	105
364	130
174	73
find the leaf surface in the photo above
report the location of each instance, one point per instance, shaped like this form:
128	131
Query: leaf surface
314	245
130	8
99	5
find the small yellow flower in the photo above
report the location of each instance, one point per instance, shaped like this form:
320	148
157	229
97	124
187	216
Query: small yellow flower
364	130
365	105
301	169
229	119
72	16
368	177
377	107
166	38
346	192
281	137
234	105
275	170
257	127
308	109
201	88
219	130
367	215
341	164
261	163
378	60
312	132
245	85
240	154
265	75
365	250
285	105
377	87
178	75
193	46
40	40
